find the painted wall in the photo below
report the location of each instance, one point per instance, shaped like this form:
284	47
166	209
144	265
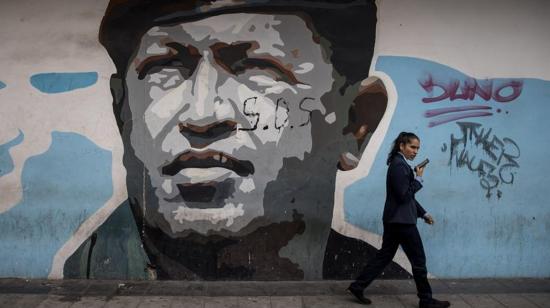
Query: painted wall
253	146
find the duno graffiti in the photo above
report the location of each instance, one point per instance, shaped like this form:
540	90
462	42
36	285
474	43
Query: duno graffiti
501	91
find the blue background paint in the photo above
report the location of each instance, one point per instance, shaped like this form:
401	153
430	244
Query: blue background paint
6	161
2	85
62	82
61	188
474	236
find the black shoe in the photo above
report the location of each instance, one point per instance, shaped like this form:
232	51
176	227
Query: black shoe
433	303
359	295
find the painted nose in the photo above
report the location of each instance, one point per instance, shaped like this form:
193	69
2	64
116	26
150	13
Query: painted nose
200	124
204	94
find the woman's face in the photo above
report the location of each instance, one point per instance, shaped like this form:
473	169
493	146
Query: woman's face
410	149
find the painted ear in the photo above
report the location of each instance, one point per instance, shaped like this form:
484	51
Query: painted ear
118	93
364	115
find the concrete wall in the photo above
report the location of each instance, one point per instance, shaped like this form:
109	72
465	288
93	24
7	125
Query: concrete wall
141	191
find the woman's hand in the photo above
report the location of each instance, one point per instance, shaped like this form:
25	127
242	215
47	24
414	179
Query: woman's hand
419	171
429	219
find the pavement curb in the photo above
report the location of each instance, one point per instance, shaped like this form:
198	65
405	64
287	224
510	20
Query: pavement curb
111	288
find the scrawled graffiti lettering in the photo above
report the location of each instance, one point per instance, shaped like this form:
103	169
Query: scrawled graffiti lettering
281	117
281	103
479	92
301	106
502	91
493	159
253	117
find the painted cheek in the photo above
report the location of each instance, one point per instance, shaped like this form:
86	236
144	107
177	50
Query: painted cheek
164	106
174	143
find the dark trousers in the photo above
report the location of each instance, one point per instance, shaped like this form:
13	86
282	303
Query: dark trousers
408	237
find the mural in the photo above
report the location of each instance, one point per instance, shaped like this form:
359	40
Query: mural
246	140
224	110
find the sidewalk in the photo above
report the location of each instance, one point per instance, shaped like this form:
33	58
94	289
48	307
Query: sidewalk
483	293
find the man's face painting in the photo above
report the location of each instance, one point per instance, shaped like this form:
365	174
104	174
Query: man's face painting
218	106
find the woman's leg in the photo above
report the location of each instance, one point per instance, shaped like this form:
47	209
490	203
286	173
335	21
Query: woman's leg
390	242
413	248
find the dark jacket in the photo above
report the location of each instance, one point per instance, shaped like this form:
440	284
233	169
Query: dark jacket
401	206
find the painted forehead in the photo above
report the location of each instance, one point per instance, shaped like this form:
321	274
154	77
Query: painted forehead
266	30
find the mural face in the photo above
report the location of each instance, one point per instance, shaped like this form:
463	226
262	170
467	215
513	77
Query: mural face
233	125
217	107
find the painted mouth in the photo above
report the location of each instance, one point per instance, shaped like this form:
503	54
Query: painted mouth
208	159
204	195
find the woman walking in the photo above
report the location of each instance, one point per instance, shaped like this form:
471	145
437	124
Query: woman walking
401	212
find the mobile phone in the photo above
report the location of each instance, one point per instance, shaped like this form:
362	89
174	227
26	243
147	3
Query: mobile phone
422	164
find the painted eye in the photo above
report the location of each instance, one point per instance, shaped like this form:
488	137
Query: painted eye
183	58
272	68
185	67
236	59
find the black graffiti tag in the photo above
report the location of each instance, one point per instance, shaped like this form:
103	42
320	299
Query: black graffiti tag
481	151
281	119
281	103
254	117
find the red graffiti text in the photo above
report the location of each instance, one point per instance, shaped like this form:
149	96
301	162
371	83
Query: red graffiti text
502	91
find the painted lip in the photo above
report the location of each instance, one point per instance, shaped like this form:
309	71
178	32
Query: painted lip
208	159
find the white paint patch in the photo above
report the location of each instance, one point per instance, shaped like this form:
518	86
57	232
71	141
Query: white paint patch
165	105
229	212
172	81
247	185
155	31
330	118
173	143
238	27
275	87
281	116
242	138
167	186
205	75
263	81
199	175
279	88
223	110
304	86
155	93
155	49
304	68
156	78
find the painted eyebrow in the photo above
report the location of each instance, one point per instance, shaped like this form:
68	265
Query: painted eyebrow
188	55
231	56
